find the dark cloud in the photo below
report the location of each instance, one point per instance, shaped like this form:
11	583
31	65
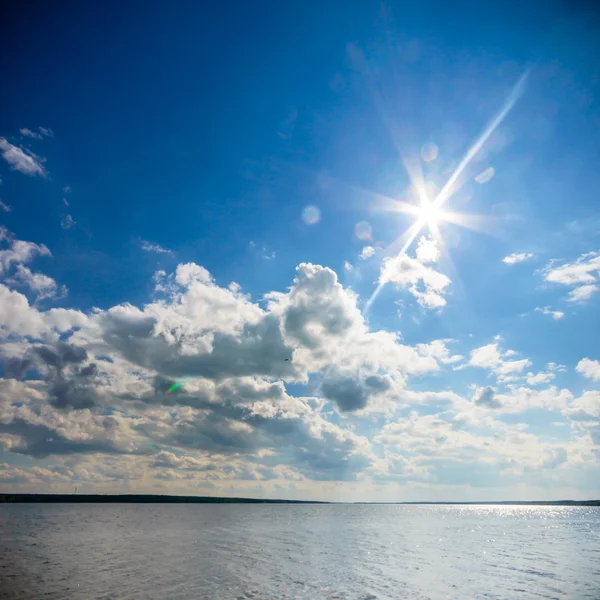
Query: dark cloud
89	371
73	389
346	392
17	368
62	355
241	418
40	441
486	397
351	393
70	353
75	392
258	350
378	383
48	356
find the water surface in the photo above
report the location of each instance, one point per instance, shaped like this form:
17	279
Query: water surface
277	552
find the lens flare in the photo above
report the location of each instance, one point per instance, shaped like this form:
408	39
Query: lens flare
174	387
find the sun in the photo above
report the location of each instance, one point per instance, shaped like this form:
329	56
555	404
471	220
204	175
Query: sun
429	213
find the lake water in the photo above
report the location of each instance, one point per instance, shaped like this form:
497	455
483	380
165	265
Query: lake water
276	552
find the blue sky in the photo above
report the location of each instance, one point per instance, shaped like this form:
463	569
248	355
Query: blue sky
363	239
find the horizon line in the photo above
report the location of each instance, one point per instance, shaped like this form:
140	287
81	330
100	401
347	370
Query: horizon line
10	497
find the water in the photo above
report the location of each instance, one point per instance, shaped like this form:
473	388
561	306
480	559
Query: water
276	552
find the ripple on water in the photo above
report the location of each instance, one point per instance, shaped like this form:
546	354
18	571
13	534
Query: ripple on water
285	552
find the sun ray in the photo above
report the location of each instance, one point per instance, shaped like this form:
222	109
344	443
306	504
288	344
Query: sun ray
514	95
492	226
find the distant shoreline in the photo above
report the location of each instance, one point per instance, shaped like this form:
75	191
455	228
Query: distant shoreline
164	499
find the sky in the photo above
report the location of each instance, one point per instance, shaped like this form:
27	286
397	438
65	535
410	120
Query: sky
339	251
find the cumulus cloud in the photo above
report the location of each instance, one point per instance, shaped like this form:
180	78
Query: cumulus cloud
427	285
367	252
97	389
351	392
582	275
493	358
21	159
539	378
42	285
517	257
16	274
585	408
28	425
589	368
348	267
427	250
5	207
17	317
18	252
69	383
200	329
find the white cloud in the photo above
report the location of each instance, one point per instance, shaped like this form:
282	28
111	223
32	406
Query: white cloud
42	285
589	368
517	257
149	247
583	270
539	378
555	314
583	275
19	252
582	293
232	421
424	283
427	250
486	357
12	267
585	408
367	252
4	207
348	267
492	358
21	159
46	131
17	317
438	350
28	133
202	330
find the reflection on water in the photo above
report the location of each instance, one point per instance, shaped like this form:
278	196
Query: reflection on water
344	552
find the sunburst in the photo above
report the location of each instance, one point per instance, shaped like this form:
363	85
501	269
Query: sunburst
427	211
